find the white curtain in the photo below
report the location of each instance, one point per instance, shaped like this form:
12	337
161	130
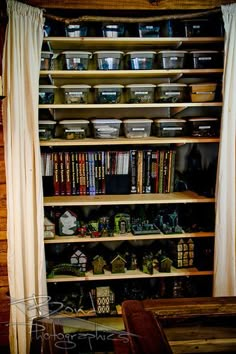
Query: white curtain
26	264
225	238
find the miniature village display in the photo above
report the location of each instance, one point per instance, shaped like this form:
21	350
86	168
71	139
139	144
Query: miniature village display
103	300
98	264
49	229
118	264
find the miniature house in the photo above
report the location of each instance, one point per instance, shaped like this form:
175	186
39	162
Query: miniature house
79	259
49	229
118	264
98	264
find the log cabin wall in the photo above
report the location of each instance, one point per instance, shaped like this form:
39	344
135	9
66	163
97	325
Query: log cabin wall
4	290
82	5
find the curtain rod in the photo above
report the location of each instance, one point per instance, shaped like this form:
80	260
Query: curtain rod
129	19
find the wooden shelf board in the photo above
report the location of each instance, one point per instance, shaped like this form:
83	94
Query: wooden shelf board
70	74
127	141
63	43
128	236
152	198
130	274
129	105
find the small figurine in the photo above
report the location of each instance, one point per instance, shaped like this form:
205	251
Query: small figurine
147	265
49	229
122	223
165	264
68	224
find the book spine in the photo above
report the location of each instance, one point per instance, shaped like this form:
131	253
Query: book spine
147	171
161	171
56	174
73	181
172	179
87	172
103	187
140	172
67	173
133	171
77	173
62	173
166	171
83	173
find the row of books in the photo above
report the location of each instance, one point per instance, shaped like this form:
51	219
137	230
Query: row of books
110	172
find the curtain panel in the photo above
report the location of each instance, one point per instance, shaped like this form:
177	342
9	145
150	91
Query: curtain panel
26	261
225	230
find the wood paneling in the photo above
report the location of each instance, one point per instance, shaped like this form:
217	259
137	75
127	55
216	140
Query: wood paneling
127	4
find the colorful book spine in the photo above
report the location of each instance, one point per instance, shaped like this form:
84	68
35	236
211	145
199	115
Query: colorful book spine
56	174
133	171
62	173
67	173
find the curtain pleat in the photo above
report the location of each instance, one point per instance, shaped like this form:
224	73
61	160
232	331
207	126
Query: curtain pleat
26	260
225	230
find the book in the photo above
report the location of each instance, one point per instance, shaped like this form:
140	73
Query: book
67	173
133	171
62	173
56	176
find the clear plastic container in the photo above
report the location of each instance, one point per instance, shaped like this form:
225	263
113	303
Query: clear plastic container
150	30
76	30
46	129
197	27
75	60
46	94
74	129
140	60
205	59
108	93
106	128
171	93
46	60
203	92
137	128
168	127
113	30
140	93
109	60
204	126
76	93
170	59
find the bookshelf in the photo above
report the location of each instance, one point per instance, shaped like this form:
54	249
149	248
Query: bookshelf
86	111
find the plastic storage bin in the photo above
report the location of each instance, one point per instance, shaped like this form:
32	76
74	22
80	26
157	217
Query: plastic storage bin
46	60
204	59
46	94
169	127
197	28
76	93
108	60
108	93
137	128
46	129
140	60
171	92
76	30
75	60
140	93
74	129
203	126
170	59
150	30
204	92
106	128
113	30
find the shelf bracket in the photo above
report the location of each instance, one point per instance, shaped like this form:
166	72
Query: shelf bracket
178	45
176	78
175	110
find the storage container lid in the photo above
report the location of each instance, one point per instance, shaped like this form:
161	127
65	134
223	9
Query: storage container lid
76	52
109	86
205	84
171	85
140	52
140	85
169	120
46	53
74	121
141	120
204	52
75	86
47	86
46	122
173	52
202	119
108	52
103	121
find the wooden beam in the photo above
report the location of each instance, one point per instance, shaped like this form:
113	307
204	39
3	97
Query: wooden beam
127	4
